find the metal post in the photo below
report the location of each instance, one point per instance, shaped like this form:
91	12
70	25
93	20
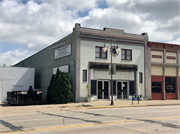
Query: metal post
112	103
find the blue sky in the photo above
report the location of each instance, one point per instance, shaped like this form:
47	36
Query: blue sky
27	26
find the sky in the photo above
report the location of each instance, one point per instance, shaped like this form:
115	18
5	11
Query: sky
28	26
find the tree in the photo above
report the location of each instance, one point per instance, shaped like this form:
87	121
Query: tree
48	95
60	91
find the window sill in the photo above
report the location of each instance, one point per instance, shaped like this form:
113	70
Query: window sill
125	60
101	58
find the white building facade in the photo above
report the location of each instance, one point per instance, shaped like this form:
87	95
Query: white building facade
130	64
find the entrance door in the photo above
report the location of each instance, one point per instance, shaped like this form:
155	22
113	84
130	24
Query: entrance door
122	90
103	89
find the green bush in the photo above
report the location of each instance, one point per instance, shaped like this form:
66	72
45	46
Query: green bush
59	89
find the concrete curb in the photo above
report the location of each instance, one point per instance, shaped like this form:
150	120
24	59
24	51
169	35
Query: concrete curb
142	105
96	107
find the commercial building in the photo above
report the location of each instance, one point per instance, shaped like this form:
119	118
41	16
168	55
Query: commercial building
164	71
81	55
15	79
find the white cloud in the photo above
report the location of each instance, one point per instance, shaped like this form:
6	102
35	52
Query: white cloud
79	5
12	57
34	26
176	41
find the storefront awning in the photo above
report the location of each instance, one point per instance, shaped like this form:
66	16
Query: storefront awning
100	65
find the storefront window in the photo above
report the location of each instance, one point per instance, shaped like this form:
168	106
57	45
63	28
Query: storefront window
156	87
170	85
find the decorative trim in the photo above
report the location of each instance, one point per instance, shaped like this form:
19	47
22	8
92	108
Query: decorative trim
111	36
159	45
171	58
100	65
157	56
111	51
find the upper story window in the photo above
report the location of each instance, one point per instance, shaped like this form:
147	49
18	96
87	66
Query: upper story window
126	54
100	53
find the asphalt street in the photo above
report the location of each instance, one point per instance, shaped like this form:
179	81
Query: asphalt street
130	120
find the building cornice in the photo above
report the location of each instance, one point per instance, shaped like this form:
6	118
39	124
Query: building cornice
167	46
119	39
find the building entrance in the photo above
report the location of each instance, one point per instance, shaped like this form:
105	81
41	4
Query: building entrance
103	89
122	88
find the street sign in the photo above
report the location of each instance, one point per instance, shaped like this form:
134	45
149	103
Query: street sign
113	68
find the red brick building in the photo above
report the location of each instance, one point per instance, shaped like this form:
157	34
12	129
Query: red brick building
164	71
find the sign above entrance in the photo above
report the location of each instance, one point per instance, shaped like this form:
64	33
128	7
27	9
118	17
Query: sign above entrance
63	51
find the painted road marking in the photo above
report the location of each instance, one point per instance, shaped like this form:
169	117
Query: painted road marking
85	125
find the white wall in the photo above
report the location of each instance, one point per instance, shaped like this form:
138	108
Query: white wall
15	78
87	51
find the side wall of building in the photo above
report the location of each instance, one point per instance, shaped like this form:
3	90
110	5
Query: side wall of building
15	79
44	62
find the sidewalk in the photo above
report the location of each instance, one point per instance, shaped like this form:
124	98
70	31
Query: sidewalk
8	109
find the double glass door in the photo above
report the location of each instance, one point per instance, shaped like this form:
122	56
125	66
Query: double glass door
122	88
103	89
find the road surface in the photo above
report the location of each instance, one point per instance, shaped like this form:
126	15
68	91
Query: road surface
128	120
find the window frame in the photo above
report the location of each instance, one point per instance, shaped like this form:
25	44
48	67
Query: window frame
100	53
85	75
125	58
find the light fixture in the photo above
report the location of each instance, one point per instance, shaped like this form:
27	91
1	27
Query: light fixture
104	48
117	50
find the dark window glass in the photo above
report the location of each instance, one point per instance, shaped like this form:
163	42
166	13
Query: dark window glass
93	87
100	53
170	85
114	87
106	91
126	54
131	88
156	87
140	78
99	84
99	89
84	75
